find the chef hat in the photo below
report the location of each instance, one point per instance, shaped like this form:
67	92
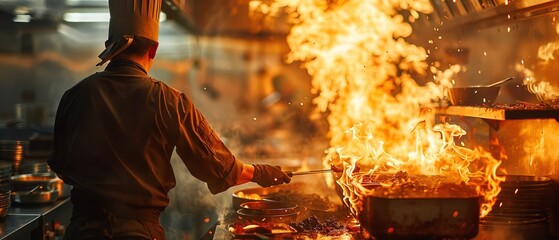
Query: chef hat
131	18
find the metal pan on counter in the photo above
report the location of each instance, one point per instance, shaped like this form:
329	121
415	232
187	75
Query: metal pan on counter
289	193
38	188
34	197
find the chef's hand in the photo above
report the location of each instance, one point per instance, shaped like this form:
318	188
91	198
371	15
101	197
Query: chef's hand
267	175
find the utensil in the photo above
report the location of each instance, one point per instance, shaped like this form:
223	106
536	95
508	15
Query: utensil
495	83
38	187
291	173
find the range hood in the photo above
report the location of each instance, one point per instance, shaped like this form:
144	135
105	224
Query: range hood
209	17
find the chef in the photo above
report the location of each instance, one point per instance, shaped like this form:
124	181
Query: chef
115	132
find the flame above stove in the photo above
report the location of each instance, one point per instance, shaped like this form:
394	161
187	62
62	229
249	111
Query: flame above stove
364	76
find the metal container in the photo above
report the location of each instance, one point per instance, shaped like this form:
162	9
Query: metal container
35	197
252	195
268	207
420	218
473	96
25	182
62	188
278	218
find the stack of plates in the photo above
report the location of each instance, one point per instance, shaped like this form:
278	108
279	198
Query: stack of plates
5	201
31	166
5	174
32	162
521	207
12	150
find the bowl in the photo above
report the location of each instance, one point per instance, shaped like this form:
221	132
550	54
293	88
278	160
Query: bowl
473	96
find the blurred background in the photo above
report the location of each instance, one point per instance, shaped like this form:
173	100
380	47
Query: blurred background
232	64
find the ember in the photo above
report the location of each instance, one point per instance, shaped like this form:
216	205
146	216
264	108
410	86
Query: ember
242	227
313	224
308	200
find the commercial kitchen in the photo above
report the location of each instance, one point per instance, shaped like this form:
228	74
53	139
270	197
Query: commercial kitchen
398	119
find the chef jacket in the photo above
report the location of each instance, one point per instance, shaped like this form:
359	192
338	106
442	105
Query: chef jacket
115	132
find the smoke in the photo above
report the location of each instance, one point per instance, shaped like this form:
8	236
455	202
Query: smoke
192	208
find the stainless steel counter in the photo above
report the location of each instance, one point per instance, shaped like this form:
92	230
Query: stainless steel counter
20	226
36	221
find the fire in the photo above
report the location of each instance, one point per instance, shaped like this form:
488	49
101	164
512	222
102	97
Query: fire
435	154
364	76
545	91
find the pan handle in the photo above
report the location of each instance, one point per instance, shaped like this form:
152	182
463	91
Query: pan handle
291	174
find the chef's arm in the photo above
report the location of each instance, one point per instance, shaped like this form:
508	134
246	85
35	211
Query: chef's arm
208	159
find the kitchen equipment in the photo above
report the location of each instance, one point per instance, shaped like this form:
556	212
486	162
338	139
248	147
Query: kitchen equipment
5	174
12	150
252	195
63	188
298	193
521	208
5	202
268	211
291	173
277	218
34	197
268	207
421	218
475	95
26	182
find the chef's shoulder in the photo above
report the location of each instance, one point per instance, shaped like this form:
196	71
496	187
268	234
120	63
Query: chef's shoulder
171	91
83	84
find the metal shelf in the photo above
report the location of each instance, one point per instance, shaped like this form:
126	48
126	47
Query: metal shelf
502	13
505	112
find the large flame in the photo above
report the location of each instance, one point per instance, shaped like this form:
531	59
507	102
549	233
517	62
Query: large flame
363	72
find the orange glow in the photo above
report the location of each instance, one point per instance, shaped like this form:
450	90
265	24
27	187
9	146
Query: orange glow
455	214
364	76
545	91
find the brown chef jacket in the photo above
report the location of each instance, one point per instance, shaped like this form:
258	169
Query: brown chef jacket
114	135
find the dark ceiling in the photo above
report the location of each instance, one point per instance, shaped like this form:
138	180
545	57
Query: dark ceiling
208	17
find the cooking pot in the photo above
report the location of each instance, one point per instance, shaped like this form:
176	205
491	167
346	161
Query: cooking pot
420	218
